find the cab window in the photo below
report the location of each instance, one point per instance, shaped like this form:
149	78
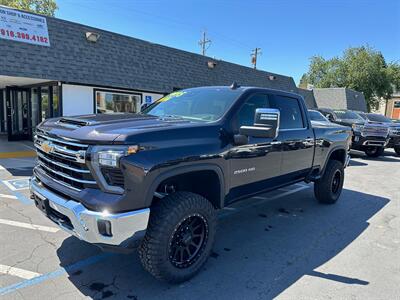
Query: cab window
291	116
245	116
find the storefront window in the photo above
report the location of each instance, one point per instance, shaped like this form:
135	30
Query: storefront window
109	102
45	103
56	102
35	106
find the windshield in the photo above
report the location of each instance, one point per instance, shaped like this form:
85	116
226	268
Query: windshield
201	104
362	115
316	116
378	118
347	115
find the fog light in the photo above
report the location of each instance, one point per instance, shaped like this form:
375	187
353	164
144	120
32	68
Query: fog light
104	227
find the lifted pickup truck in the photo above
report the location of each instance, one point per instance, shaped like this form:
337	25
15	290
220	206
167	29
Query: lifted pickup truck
156	179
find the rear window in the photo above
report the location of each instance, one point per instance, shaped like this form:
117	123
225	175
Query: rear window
291	117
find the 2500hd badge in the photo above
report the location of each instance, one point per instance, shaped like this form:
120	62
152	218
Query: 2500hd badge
155	180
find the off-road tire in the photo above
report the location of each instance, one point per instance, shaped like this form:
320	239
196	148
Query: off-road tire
397	150
165	221
326	190
374	151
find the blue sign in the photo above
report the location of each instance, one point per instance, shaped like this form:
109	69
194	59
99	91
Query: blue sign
148	99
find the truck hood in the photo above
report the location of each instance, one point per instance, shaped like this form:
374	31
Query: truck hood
107	128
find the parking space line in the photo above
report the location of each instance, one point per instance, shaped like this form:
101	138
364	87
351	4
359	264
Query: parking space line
18	272
29	226
57	273
8	196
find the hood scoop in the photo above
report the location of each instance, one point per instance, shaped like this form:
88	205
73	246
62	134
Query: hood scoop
73	123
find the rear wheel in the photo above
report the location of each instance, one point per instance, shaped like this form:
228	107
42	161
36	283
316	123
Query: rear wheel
179	237
397	150
374	151
328	188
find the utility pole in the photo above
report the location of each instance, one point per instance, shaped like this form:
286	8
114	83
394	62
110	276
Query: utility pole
203	43
254	54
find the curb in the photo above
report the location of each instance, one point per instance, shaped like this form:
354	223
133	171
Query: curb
17	154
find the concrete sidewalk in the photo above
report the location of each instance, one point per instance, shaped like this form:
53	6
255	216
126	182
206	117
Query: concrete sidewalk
16	149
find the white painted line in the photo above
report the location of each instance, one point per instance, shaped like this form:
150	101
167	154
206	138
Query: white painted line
29	226
18	272
8	196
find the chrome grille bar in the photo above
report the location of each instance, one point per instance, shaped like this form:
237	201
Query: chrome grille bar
65	175
84	171
62	141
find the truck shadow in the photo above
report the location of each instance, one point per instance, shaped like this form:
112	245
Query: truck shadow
261	250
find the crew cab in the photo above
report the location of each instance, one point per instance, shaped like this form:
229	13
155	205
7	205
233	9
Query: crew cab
369	137
157	179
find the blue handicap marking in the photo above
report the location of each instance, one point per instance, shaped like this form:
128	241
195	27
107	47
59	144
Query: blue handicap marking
18	184
148	99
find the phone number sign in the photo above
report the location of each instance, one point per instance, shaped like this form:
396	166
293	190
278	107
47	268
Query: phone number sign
23	27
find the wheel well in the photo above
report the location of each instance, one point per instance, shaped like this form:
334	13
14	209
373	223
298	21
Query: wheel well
339	155
205	183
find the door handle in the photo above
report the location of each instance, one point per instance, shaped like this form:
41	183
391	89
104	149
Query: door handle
276	143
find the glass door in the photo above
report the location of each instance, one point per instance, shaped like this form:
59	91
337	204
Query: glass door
18	113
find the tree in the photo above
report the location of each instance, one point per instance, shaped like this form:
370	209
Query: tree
44	7
362	69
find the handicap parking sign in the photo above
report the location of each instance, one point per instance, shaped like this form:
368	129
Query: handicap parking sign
148	99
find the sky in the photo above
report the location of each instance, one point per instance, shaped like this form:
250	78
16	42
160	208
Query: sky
288	32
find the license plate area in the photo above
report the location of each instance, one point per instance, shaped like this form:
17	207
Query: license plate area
42	203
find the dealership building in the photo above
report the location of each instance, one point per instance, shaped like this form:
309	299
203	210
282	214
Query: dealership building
51	67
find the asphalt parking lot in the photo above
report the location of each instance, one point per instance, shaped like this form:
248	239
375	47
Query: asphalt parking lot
280	245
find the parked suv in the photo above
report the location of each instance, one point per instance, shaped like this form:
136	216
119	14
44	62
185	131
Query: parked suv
369	137
394	128
159	177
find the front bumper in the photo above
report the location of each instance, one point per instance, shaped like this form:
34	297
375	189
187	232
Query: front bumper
73	217
359	142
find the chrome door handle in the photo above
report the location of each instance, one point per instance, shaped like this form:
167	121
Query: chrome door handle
276	143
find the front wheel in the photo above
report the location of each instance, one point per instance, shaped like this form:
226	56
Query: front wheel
397	150
179	237
374	151
328	188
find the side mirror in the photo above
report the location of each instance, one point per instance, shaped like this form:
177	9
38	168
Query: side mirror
330	117
266	124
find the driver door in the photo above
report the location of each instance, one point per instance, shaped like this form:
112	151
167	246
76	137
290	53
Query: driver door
256	165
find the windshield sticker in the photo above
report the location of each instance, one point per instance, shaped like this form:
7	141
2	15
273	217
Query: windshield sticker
172	95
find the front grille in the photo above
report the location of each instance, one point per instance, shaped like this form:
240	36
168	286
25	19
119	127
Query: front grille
64	161
113	177
375	131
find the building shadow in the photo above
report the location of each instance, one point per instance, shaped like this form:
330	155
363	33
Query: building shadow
260	251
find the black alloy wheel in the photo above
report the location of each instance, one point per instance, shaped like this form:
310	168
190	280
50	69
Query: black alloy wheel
188	241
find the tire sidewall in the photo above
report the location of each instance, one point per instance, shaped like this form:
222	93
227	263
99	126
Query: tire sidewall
335	196
170	271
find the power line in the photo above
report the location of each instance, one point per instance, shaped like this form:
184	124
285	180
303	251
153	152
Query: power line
254	55
204	43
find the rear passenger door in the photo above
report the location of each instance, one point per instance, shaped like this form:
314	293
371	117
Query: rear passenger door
296	135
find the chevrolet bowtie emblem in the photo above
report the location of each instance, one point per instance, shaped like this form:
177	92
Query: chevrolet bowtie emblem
47	147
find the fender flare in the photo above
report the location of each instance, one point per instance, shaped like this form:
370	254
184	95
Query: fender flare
330	154
187	169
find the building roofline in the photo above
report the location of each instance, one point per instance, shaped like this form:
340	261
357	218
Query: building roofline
148	42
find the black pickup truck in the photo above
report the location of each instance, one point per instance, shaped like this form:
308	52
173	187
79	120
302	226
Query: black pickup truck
156	179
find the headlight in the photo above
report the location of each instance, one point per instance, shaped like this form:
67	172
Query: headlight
105	166
357	127
110	158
